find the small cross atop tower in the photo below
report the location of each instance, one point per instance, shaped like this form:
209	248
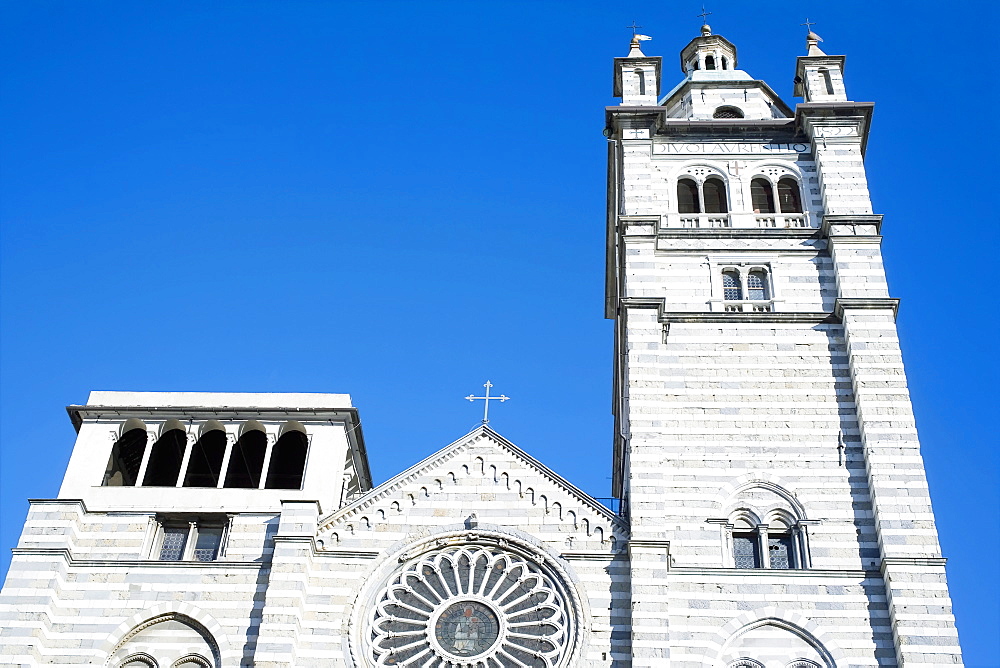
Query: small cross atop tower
634	27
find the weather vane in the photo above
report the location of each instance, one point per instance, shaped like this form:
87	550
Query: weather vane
487	399
704	15
634	27
808	24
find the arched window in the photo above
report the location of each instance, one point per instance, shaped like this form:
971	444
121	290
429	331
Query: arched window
165	458
687	197
731	288
642	81
788	196
762	196
709	62
205	464
728	112
757	285
288	461
828	80
715	196
746	543
126	457
725	63
170	635
247	459
779	550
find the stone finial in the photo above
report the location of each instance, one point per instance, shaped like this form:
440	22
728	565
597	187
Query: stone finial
812	44
635	50
706	30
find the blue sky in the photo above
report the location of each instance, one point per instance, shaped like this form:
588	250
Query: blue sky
401	200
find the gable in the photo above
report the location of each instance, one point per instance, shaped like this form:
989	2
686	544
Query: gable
480	480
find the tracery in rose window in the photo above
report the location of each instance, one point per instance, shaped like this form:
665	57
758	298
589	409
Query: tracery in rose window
474	607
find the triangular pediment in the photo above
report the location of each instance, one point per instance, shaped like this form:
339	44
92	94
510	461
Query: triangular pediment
482	479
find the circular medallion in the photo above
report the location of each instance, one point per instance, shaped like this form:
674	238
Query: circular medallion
472	606
467	628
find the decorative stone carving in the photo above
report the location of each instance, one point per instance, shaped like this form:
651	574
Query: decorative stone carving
472	605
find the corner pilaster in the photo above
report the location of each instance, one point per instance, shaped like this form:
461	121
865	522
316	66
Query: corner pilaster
284	604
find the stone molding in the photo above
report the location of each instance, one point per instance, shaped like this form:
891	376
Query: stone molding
229	654
789	620
502	538
835	221
67	555
385	493
866	303
664	317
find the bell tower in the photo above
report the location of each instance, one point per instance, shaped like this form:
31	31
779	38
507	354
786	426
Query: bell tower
765	448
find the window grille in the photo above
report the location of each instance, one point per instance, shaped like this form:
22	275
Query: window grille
779	550
745	550
172	546
731	288
756	285
206	547
728	112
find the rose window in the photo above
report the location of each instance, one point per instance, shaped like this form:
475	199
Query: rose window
471	607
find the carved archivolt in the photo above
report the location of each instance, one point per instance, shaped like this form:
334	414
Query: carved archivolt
472	606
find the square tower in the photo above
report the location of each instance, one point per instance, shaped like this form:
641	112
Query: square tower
765	448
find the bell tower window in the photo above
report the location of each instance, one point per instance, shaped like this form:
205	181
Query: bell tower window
709	62
687	197
715	196
757	285
788	196
762	196
165	459
731	289
728	112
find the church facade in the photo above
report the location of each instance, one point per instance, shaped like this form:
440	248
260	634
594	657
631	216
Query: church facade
774	511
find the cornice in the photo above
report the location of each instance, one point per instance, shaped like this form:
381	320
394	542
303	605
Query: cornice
867	303
347	554
664	316
889	562
738	233
809	113
385	491
136	563
78	413
590	556
775	572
